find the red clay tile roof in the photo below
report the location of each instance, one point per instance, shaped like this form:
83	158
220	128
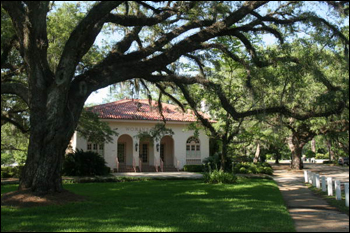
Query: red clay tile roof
141	110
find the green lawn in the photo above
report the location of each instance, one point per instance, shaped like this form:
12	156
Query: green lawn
248	206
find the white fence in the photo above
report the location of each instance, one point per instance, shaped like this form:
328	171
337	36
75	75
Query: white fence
327	184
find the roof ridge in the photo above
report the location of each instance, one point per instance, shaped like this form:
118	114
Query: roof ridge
130	110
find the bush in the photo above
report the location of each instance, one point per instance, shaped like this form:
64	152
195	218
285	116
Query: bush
193	168
268	171
220	177
11	172
85	163
310	154
214	162
242	159
243	170
322	156
253	168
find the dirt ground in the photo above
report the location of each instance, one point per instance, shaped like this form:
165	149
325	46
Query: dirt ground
25	199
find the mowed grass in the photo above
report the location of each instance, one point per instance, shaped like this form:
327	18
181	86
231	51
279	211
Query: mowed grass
254	205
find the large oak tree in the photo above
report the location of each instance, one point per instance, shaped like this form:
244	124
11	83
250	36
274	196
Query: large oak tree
156	36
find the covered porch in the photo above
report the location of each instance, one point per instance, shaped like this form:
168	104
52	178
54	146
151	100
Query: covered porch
145	155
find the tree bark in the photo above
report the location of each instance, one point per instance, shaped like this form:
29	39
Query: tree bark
330	151
296	149
53	120
257	153
278	156
313	145
224	154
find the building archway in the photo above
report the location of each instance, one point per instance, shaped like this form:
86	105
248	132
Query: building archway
167	151
125	150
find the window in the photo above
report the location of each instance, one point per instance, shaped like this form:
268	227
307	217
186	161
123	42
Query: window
192	139
193	151
96	148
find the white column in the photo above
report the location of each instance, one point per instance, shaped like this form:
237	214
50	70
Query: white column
346	185
318	183
314	179
310	177
324	184
306	176
337	190
156	153
330	186
136	153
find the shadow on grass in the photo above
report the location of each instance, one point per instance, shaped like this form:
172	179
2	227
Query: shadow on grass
177	206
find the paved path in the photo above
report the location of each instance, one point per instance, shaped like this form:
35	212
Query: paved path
309	212
168	175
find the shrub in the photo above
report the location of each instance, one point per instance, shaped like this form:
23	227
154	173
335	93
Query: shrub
193	168
322	156
214	162
241	159
243	170
11	172
220	177
85	163
253	168
310	154
268	171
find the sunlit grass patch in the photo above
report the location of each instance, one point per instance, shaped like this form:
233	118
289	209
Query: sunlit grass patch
159	206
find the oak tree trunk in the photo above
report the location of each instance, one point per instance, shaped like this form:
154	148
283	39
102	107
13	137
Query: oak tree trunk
313	145
257	154
53	121
330	151
224	155
296	149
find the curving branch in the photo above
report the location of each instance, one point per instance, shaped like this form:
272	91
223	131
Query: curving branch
17	89
7	49
82	38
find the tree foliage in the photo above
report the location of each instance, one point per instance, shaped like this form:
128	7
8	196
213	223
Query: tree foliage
93	129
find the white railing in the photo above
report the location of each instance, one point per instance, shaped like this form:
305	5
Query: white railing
117	161
327	184
134	164
161	165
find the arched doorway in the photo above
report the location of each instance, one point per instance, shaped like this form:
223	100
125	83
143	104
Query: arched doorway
125	150
167	151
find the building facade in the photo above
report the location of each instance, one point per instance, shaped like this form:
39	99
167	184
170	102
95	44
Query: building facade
128	153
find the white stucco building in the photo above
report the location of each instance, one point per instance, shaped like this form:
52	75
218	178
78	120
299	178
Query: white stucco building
128	153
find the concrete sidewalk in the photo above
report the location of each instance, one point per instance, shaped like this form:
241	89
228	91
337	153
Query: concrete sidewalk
309	212
161	175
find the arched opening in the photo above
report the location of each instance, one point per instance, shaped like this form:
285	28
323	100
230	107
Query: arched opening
167	151
193	151
125	150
